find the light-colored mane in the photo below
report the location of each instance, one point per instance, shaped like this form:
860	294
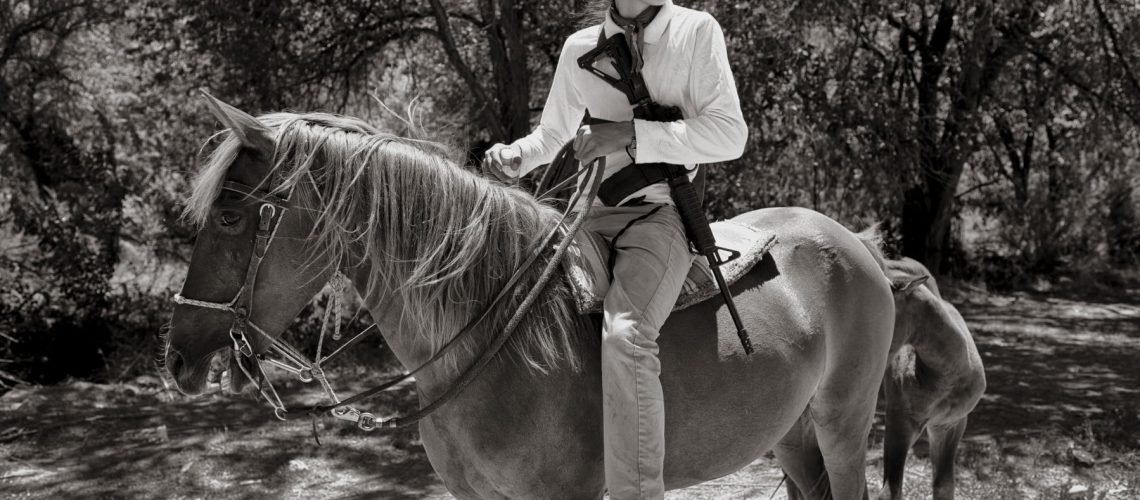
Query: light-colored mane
439	239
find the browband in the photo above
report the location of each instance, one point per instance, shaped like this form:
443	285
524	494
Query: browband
253	192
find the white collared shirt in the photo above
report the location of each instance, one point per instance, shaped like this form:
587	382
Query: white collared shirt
685	65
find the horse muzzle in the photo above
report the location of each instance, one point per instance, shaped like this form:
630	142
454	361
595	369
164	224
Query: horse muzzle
218	367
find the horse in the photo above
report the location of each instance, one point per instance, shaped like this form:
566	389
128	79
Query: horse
934	379
427	244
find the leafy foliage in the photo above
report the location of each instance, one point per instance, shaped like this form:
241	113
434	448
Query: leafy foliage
996	139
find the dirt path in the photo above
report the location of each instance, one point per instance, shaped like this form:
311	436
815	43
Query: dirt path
1061	419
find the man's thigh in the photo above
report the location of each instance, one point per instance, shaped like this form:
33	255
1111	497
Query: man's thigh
652	260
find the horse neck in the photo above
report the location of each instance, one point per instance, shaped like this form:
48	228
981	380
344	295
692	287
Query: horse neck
399	338
936	332
387	308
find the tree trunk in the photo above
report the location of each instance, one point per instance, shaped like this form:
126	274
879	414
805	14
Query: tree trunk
508	62
922	235
929	206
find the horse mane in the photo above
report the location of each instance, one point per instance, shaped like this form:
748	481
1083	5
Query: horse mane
440	240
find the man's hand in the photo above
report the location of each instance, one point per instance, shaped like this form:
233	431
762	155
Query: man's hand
503	161
602	139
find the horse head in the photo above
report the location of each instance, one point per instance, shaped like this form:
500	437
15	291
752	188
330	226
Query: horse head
251	272
288	199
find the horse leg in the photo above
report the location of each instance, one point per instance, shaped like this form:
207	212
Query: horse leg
901	433
790	488
799	456
844	405
943	449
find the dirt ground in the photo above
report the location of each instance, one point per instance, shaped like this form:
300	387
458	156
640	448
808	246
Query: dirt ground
1060	420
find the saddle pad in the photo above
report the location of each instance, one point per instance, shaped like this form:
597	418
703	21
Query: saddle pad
585	265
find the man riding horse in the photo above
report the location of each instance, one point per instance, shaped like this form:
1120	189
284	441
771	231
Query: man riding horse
680	55
436	253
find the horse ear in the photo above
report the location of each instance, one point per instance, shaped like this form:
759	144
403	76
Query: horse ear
247	129
903	284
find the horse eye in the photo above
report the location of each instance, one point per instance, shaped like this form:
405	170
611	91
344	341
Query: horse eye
229	219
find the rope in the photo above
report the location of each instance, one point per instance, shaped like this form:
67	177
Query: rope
217	306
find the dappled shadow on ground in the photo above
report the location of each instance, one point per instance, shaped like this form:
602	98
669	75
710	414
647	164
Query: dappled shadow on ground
1057	366
1060	413
125	441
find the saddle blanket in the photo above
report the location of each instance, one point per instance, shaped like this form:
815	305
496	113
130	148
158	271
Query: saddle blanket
586	265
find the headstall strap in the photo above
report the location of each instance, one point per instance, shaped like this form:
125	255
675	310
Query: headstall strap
270	213
252	192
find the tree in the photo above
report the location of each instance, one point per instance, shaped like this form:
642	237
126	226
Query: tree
63	187
273	55
880	109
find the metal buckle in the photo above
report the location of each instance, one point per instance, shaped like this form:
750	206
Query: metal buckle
264	222
346	413
241	344
367	422
364	420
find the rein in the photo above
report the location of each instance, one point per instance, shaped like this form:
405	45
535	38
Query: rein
297	364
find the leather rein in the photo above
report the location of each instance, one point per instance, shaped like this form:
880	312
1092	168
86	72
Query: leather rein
270	213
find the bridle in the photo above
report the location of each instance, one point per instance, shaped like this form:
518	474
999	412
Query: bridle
270	213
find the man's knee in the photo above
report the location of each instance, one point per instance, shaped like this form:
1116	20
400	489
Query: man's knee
618	332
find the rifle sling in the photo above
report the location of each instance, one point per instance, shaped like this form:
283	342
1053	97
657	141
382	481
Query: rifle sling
635	177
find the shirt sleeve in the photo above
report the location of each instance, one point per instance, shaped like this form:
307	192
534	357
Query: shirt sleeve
560	117
718	131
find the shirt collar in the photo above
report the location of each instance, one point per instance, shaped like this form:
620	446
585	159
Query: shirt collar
653	31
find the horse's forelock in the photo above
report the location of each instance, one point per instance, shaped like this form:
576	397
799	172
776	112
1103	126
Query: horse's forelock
207	184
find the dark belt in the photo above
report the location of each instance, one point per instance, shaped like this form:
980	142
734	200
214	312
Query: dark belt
634	178
623	183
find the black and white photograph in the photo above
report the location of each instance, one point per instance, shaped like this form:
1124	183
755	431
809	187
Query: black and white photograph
570	249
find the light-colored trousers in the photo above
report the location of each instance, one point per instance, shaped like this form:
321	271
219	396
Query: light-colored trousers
652	260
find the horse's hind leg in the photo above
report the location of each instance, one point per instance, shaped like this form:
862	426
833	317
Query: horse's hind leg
844	405
943	449
901	432
799	456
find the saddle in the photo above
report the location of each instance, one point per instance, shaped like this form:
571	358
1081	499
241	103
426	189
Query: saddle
585	265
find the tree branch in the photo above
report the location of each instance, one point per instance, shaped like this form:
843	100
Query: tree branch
1112	35
465	72
977	187
1005	133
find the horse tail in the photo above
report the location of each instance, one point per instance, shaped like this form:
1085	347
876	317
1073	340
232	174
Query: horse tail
872	238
